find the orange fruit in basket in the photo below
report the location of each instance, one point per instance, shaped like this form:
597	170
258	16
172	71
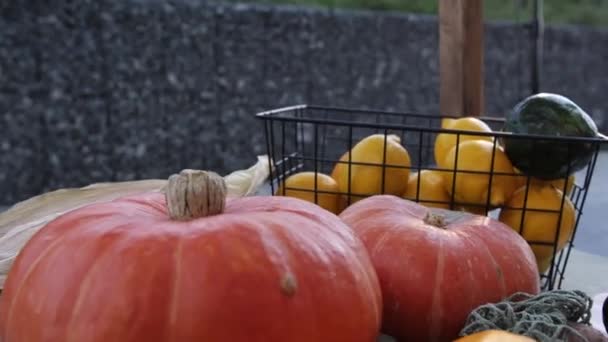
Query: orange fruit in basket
447	122
302	185
494	335
445	141
474	188
561	182
431	188
557	183
540	226
366	180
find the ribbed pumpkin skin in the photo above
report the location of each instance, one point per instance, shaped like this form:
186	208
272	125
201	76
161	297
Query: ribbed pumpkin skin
123	271
432	278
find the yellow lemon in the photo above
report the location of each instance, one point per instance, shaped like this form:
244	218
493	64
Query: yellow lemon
366	180
302	185
445	141
540	226
559	183
431	188
474	188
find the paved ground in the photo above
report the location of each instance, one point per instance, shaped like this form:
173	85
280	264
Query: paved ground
592	235
587	269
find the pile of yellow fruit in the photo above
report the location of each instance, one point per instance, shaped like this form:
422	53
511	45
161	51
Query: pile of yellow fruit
470	188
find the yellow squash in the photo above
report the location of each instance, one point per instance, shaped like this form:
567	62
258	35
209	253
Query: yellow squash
540	226
366	180
474	188
431	188
445	141
495	335
302	185
447	122
557	183
560	182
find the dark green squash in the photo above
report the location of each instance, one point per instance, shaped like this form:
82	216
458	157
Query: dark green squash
553	115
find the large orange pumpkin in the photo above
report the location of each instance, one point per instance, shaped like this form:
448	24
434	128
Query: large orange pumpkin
435	266
254	269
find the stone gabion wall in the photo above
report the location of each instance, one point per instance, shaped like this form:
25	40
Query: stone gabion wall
101	90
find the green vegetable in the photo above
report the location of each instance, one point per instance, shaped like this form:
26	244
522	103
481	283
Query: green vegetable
552	115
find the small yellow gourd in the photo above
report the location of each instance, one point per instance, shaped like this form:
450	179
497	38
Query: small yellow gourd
557	183
445	141
540	226
474	187
302	185
366	180
431	188
495	335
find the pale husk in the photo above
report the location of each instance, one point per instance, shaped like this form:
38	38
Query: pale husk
20	222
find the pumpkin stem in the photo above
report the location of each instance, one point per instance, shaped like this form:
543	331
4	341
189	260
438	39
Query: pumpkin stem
194	193
434	219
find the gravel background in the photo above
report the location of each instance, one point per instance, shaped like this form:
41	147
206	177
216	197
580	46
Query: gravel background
99	90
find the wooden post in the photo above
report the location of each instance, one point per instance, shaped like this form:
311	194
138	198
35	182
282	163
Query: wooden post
538	28
461	57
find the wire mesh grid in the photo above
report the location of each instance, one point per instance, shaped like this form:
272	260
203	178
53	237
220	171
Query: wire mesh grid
316	139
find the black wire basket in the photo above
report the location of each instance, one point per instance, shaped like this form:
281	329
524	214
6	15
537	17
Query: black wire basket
315	138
